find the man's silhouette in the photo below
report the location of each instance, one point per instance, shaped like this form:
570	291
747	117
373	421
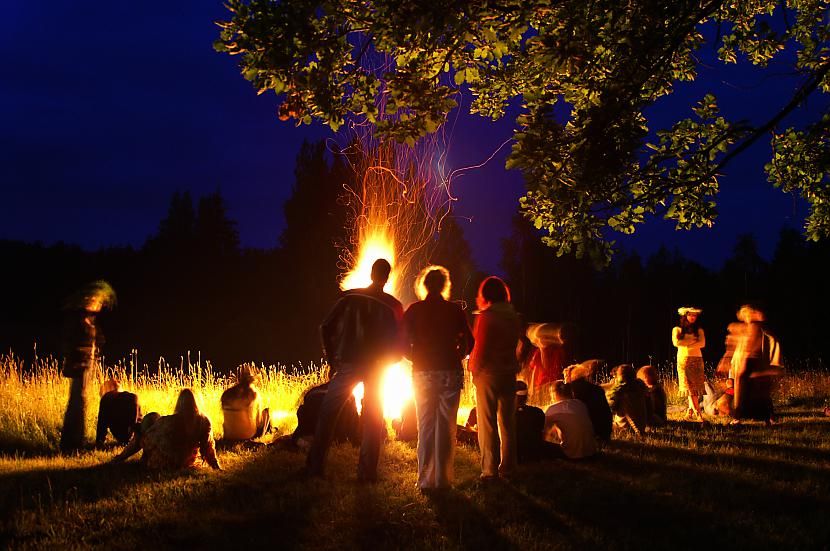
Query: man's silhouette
361	337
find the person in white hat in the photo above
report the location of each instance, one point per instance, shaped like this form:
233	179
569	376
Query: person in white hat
689	339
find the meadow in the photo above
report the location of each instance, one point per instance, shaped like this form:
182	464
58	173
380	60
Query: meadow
682	486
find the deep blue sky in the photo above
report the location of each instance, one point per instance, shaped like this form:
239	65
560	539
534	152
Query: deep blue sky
108	108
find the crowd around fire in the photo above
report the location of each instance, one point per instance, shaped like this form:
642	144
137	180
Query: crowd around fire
367	330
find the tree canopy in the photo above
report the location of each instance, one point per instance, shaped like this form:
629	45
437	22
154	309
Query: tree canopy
580	75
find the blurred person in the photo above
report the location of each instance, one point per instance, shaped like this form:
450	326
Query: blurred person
118	413
629	400
568	424
656	395
362	335
243	416
437	339
734	333
756	364
689	339
494	366
549	356
174	441
80	340
578	378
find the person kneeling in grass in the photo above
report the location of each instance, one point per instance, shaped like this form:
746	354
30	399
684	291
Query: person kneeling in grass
567	423
174	441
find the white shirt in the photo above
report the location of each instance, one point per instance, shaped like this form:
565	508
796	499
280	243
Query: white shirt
568	422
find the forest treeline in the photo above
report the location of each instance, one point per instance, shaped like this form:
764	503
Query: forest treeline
192	287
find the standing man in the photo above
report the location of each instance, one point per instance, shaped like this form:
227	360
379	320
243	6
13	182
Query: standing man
361	337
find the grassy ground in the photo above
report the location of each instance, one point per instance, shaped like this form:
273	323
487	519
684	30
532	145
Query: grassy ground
681	487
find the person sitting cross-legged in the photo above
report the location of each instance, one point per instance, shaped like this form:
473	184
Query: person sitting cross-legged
244	417
567	423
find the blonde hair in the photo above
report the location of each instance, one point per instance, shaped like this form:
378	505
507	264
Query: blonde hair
110	385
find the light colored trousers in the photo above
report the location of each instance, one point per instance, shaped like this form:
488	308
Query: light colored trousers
437	395
496	413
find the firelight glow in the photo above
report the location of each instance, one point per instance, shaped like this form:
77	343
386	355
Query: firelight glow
396	390
374	246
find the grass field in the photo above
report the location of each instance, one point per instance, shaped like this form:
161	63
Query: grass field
681	487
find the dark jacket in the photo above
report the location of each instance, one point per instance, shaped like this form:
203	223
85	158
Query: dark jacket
438	334
363	328
118	412
594	399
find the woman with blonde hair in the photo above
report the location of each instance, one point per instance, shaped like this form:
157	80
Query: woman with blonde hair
174	441
689	339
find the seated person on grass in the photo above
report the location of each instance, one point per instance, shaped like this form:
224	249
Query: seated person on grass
244	417
346	429
578	378
530	424
656	396
568	424
629	401
118	413
173	441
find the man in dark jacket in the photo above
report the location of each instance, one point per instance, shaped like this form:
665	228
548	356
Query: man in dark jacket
361	337
118	413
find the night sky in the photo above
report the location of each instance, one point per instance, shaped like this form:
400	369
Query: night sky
108	108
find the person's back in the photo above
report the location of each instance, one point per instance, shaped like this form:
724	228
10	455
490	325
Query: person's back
659	408
597	405
241	410
362	329
629	402
174	442
118	412
567	421
530	427
439	334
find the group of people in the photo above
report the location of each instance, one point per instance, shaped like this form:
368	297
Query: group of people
747	371
367	330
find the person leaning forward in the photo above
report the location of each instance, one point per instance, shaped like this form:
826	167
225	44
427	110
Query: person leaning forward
361	336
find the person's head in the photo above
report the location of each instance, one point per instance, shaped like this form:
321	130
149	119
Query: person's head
110	385
689	316
749	313
186	404
491	291
521	393
380	271
584	370
566	373
92	298
648	375
624	373
246	375
561	391
436	281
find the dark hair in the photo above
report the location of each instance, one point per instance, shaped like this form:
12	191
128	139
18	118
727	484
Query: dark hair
435	281
687	327
380	270
626	372
560	388
493	289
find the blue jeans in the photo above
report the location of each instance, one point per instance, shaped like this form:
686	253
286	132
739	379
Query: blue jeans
437	395
340	388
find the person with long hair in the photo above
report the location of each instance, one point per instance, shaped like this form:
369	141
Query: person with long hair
493	363
174	441
689	339
437	338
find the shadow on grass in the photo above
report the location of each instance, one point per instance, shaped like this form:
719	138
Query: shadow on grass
464	524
